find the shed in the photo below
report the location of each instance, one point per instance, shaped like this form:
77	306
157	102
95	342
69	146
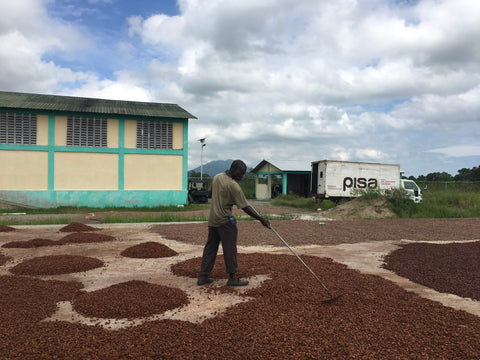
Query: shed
73	151
281	177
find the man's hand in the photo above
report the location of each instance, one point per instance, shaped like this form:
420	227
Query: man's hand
265	222
253	213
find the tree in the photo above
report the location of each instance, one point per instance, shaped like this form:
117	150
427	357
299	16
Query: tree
465	174
439	176
193	174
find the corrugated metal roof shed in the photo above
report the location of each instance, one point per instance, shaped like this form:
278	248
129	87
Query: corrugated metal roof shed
78	105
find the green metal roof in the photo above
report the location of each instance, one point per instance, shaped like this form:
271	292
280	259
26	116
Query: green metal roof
78	105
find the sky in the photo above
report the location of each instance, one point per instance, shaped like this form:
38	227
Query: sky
390	81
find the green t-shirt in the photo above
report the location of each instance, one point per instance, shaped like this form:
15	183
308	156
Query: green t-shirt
225	193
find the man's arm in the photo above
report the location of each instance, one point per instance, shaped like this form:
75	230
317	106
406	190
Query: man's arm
253	213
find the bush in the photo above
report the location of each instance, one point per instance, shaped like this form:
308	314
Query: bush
400	203
327	204
295	201
369	194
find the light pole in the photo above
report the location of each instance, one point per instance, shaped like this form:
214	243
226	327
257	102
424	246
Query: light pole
202	142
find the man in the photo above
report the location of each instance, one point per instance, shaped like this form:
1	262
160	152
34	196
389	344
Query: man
225	192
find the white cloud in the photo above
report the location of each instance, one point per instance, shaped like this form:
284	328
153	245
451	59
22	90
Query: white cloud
373	80
459	150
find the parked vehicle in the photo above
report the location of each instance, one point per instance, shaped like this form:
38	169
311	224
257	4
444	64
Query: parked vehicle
336	180
197	192
412	189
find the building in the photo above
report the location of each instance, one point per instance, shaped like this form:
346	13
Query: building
70	151
273	178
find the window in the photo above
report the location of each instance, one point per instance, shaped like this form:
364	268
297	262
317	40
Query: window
86	131
18	128
154	134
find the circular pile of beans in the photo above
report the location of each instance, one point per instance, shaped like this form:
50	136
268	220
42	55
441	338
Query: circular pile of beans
127	300
149	249
78	227
74	238
56	265
37	242
4	228
83	238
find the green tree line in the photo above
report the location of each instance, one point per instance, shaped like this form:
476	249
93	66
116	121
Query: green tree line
464	174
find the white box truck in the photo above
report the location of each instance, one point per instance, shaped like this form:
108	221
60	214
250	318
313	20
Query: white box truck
337	180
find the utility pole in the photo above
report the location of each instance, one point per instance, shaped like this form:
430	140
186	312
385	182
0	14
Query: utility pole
202	144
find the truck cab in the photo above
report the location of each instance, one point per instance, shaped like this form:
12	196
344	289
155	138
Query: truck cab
412	190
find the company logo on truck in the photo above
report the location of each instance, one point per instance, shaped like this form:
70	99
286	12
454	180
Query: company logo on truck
359	183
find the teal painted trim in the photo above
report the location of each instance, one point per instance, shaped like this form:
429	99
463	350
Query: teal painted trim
153	151
96	199
185	156
269	183
15	147
121	154
269	172
284	184
51	152
85	149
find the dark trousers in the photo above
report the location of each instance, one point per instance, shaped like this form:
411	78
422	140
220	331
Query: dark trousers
227	235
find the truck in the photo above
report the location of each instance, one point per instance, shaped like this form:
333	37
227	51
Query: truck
336	180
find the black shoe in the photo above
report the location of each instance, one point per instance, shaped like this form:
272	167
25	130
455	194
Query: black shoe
203	280
236	282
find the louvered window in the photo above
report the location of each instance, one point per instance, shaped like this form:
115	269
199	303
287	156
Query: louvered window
86	131
154	134
18	128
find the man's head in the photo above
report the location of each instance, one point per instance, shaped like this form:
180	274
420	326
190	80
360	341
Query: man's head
237	170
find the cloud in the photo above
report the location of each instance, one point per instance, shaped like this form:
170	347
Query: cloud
28	36
459	150
366	80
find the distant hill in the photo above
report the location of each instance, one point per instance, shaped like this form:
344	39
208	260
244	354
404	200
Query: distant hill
214	167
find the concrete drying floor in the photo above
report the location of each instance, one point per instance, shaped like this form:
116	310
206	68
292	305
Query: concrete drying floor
204	303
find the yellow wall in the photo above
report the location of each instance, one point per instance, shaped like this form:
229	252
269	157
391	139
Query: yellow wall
130	134
86	171
177	136
153	172
28	170
112	133
42	129
24	170
262	191
61	130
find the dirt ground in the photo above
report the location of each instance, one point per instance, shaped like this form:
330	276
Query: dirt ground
149	306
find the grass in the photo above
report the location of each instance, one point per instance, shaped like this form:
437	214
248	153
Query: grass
82	210
162	214
298	202
50	221
436	204
448	204
150	218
